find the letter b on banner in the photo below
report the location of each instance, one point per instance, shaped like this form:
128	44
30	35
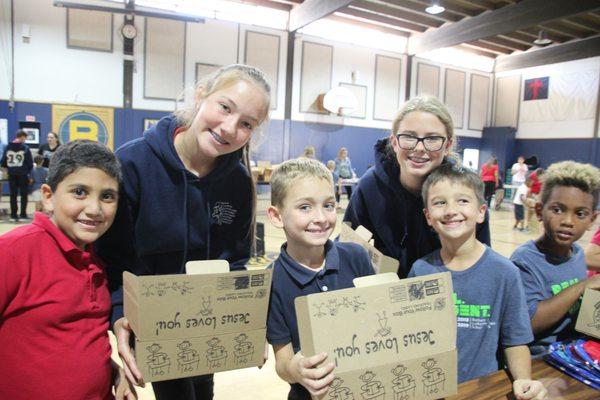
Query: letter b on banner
83	125
79	129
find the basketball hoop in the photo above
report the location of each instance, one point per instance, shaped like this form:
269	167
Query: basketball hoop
340	101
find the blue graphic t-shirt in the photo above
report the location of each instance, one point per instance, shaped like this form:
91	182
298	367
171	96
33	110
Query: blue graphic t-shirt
490	310
545	276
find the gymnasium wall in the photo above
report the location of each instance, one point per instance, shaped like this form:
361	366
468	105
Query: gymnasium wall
561	126
48	72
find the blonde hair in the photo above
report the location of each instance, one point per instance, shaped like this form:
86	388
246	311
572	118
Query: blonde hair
220	79
584	177
339	155
292	170
433	106
330	163
309	152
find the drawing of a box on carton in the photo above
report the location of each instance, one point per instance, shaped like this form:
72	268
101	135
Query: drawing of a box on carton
588	320
400	344
187	325
243	350
188	358
158	362
216	355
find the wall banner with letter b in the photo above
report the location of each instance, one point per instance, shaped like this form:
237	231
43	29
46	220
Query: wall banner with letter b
82	122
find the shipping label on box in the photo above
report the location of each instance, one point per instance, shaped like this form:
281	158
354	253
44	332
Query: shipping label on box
188	325
390	340
588	321
381	263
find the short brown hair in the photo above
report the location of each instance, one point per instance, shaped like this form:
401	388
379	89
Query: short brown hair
290	171
455	174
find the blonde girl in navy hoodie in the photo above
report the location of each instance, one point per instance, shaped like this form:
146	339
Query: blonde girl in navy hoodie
187	195
388	197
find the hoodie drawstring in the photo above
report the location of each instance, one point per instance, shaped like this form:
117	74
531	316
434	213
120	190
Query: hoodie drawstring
185	222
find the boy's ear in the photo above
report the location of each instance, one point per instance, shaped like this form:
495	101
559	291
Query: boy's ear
46	193
594	216
426	212
538	210
482	209
275	217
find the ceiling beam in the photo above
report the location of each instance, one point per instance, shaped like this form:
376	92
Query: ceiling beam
481	4
476	50
491	47
383	19
138	11
419	8
398	13
504	20
574	50
508	43
270	4
582	23
561	29
340	17
312	10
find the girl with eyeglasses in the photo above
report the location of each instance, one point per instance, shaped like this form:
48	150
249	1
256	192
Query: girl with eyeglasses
388	197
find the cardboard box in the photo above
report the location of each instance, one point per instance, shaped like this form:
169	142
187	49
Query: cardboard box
391	339
588	321
381	263
188	325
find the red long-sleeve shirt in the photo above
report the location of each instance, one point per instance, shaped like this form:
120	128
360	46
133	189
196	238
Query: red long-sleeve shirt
54	310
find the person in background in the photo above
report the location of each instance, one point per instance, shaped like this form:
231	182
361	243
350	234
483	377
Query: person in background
553	267
309	152
519	203
499	193
343	167
519	172
388	199
187	195
534	193
19	162
489	176
48	148
536	181
337	188
592	252
38	178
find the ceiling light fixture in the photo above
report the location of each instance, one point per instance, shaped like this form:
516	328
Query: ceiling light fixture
542	39
435	8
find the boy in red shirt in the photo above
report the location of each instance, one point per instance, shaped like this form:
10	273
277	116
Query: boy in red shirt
54	298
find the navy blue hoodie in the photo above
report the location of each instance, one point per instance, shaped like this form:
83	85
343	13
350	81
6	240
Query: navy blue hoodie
17	158
168	216
394	215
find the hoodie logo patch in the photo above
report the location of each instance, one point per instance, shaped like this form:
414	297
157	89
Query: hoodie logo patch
223	213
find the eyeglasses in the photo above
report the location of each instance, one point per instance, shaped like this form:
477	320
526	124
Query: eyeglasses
410	142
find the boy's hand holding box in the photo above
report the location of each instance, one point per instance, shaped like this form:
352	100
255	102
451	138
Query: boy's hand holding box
188	325
392	339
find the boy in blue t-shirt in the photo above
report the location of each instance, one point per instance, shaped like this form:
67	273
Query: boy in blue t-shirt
553	266
489	299
39	173
303	205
